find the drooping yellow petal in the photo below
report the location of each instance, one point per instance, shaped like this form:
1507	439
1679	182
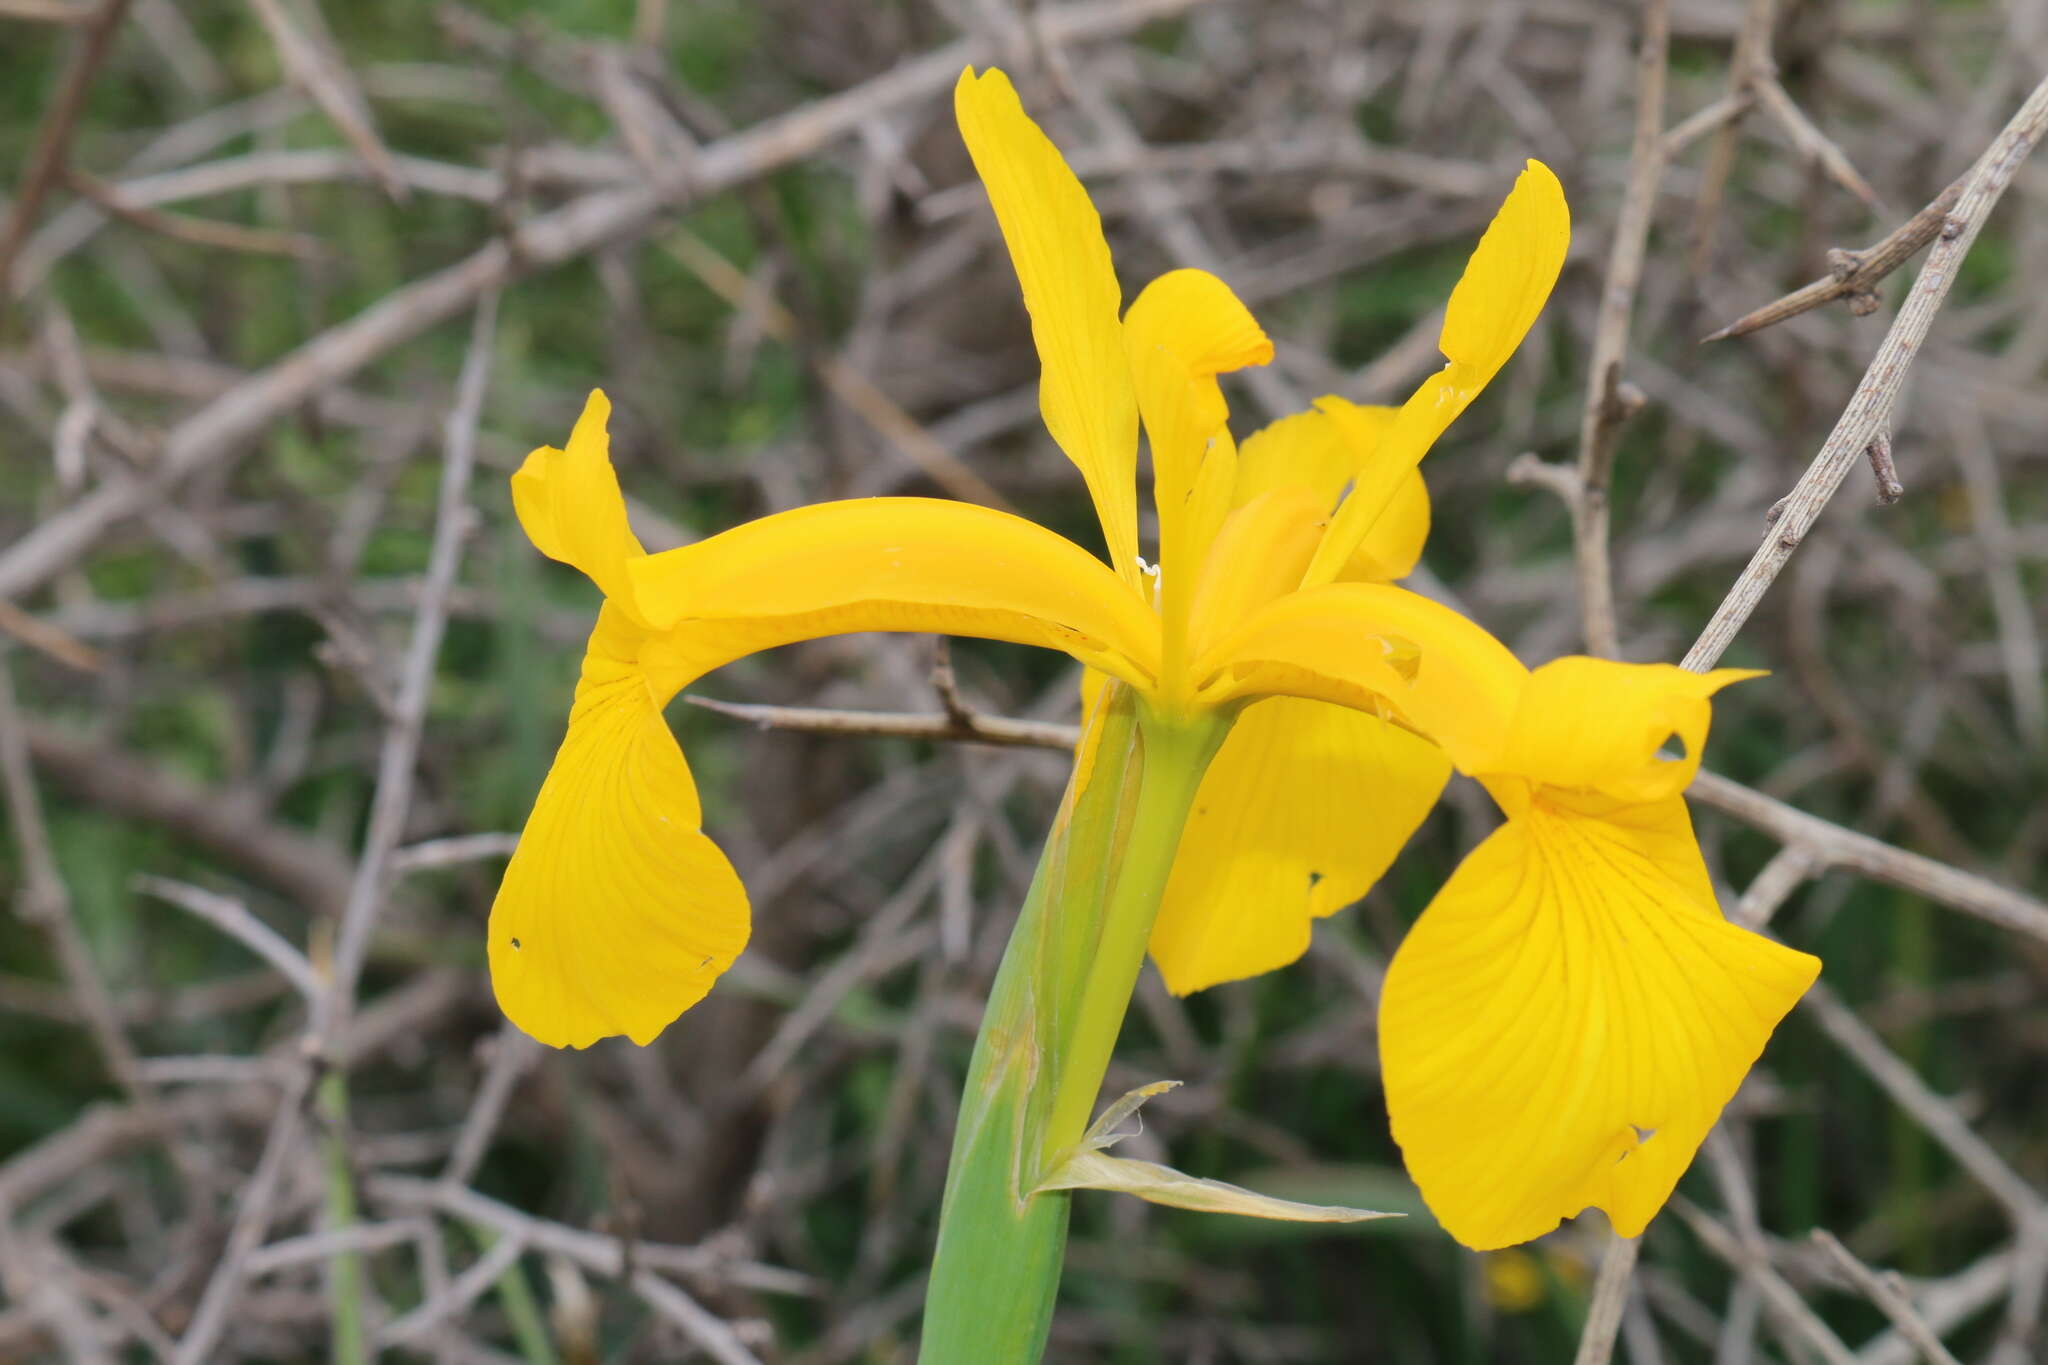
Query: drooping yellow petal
1324	450
899	564
1491	310
1070	289
1565	1022
1597	725
1301	811
616	912
1367	644
570	506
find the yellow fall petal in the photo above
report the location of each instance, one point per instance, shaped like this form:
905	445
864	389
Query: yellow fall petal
1597	725
1360	644
899	564
1565	1022
1070	289
1301	811
1492	308
570	506
616	913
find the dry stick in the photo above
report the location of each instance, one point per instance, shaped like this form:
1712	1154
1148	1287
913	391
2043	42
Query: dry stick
1817	145
1751	55
224	427
45	901
391	804
1610	1297
1709	119
975	729
1868	415
392	799
1853	275
54	135
849	385
252	1222
326	79
1605	410
47	12
1928	1109
1944	1304
604	1255
512	1053
1834	846
717	1340
1888	1295
2019	641
39	634
1778	1295
208	232
234	919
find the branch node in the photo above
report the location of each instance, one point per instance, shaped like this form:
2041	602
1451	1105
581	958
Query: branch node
1889	489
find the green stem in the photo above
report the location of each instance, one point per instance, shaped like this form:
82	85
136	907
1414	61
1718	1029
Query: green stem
1052	1019
348	1343
1175	756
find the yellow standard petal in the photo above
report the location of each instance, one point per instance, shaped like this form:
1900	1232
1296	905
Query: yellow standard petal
1325	450
1070	289
1491	309
616	912
1567	1019
1301	811
1183	330
901	564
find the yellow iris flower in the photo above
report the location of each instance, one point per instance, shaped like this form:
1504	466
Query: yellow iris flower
1570	1013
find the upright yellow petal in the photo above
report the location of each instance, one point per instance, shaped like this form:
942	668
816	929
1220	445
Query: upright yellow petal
1567	1019
1373	645
569	503
902	564
1257	556
1492	308
1301	811
1070	289
616	912
1390	546
1324	450
1184	329
1597	725
1301	450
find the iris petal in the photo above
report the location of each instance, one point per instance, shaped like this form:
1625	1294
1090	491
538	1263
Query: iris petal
1565	1022
901	564
1301	811
1504	287
1070	289
1376	646
616	913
